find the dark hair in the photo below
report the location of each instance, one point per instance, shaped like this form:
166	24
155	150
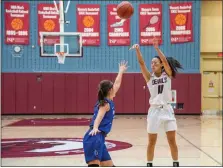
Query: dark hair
173	63
103	89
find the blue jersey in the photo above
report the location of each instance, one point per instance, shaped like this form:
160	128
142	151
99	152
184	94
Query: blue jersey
106	122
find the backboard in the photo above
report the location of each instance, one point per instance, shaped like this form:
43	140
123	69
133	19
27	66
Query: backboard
67	42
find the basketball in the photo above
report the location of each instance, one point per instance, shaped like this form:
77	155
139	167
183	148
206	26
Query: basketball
180	19
125	10
49	25
17	24
88	21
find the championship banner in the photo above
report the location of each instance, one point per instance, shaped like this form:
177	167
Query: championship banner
181	24
88	23
118	30
17	23
48	21
150	23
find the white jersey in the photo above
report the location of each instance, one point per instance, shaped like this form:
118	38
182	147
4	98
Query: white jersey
160	89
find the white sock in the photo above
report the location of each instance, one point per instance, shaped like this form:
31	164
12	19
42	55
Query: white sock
175	161
149	161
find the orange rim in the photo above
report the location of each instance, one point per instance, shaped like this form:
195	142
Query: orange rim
60	53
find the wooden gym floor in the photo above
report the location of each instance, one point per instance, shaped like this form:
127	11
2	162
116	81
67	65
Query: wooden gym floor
199	141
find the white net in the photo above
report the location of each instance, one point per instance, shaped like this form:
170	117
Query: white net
61	57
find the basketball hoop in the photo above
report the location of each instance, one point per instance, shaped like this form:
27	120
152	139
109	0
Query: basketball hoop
61	57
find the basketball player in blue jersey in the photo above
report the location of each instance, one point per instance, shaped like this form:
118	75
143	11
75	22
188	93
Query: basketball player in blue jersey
95	151
161	111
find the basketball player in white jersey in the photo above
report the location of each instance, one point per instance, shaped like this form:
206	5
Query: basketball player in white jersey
160	111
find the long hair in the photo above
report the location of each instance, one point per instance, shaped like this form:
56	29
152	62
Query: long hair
173	63
103	90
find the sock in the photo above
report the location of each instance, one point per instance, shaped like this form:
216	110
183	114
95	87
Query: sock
175	163
149	163
93	165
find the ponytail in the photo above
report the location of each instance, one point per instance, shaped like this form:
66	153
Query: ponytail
101	98
103	91
174	65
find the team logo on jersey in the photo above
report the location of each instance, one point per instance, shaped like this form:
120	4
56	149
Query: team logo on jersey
34	147
158	81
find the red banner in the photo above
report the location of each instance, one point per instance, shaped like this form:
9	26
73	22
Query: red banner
17	23
118	31
150	23
48	21
88	22
181	24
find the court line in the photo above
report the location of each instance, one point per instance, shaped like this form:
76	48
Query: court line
199	149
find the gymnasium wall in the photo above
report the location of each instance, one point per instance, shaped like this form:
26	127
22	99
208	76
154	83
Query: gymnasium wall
211	26
211	60
102	58
41	85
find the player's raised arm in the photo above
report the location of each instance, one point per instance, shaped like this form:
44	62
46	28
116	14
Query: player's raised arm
162	57
170	64
122	68
145	72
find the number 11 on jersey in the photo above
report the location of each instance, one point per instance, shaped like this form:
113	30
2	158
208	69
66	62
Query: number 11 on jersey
160	89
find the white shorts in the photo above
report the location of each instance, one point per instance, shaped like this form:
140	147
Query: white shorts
157	116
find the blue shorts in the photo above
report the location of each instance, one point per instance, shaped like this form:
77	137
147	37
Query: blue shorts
94	147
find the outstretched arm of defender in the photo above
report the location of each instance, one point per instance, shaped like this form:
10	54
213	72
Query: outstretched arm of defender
100	116
122	68
145	72
162	57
